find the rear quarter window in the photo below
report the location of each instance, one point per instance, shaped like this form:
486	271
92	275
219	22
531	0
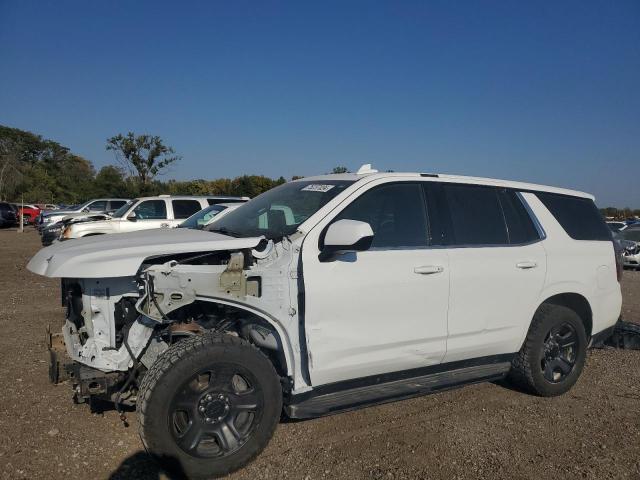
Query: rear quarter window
579	217
520	226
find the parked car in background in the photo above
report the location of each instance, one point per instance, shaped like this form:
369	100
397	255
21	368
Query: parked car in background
616	226
629	239
51	232
98	205
207	216
47	206
7	215
29	213
163	211
328	294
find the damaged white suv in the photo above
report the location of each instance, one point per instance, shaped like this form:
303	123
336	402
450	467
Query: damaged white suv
328	294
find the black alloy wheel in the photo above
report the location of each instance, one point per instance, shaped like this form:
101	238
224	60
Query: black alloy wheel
215	411
553	354
208	406
559	353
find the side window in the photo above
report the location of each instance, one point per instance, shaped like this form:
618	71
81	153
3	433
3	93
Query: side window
520	226
185	208
97	206
579	217
396	213
116	204
476	215
151	210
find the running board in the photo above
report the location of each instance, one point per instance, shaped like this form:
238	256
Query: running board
354	398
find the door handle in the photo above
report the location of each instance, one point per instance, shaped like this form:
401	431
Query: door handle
164	225
526	265
428	269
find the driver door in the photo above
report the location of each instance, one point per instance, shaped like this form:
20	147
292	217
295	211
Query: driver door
148	214
382	310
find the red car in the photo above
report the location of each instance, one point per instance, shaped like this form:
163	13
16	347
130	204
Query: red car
29	212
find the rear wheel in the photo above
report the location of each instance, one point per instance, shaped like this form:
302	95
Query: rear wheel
553	354
208	406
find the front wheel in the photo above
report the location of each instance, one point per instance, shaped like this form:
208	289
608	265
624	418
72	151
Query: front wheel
553	354
208	406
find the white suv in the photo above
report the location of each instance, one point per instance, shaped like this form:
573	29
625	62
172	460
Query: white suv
91	207
163	211
328	294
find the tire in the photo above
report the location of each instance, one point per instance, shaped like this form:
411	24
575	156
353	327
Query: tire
208	406
553	354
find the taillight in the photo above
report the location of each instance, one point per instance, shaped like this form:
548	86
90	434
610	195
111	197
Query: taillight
617	251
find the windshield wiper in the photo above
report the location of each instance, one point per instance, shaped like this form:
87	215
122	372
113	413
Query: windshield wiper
226	231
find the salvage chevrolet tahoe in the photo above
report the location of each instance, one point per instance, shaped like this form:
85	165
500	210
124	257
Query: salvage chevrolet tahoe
328	294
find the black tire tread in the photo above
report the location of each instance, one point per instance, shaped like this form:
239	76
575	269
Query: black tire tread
521	373
522	366
175	354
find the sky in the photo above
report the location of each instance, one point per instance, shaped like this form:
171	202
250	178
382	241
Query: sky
544	92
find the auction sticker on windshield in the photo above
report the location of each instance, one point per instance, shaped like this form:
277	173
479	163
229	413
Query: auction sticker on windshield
314	187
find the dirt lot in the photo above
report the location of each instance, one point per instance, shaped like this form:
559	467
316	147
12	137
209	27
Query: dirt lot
483	431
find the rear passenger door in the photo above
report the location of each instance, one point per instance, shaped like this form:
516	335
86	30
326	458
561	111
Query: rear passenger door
183	209
497	270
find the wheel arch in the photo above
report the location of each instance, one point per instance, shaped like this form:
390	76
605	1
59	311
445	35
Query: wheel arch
576	302
284	363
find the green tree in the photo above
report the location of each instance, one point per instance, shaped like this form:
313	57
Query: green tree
143	155
110	182
41	170
340	169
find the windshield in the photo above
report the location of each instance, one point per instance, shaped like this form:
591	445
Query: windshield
279	211
119	213
81	206
199	219
633	234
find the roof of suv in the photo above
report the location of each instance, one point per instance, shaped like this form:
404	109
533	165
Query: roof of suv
366	172
195	197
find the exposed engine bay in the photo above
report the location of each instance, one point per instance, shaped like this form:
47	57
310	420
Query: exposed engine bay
116	327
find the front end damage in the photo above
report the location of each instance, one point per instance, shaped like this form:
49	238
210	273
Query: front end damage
116	327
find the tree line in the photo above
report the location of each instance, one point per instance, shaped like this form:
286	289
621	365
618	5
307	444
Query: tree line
43	171
620	213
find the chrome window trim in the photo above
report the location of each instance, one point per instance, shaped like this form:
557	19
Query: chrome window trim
536	223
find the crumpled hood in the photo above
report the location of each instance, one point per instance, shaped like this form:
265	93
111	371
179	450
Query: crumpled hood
57	213
97	217
120	254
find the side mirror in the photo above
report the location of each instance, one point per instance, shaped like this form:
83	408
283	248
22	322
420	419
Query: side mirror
132	217
85	209
346	236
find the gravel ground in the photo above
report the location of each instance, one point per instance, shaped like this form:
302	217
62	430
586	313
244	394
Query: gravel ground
481	431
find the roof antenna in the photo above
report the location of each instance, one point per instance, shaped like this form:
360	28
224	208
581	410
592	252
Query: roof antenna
365	169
